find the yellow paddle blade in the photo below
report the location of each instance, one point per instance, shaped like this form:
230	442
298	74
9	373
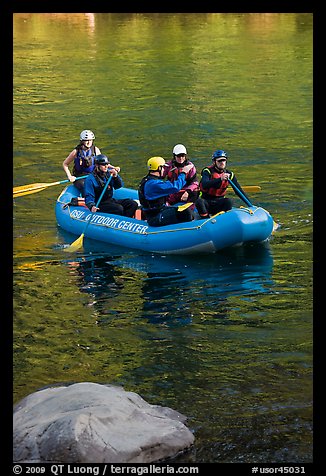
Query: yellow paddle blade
76	245
33	186
252	188
184	207
27	192
248	189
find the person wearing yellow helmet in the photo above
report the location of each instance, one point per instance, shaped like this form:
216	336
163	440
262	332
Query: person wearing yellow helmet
153	192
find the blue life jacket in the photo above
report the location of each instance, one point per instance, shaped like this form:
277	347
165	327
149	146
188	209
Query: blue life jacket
84	161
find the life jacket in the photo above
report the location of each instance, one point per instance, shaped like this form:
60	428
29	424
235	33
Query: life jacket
101	184
84	161
175	168
214	192
191	186
150	207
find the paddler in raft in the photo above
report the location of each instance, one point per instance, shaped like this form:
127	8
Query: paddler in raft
153	192
83	156
181	163
213	185
95	183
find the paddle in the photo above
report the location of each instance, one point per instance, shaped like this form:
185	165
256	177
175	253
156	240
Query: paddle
37	187
251	188
245	199
79	242
184	207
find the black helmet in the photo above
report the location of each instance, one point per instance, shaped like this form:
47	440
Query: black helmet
101	159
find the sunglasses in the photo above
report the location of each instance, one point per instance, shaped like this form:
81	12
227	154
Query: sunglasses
181	155
221	160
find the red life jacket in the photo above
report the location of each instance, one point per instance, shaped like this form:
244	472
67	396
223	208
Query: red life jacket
191	186
215	192
173	172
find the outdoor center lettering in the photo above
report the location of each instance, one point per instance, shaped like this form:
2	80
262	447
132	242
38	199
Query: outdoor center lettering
98	219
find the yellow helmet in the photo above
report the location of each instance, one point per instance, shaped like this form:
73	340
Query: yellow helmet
155	162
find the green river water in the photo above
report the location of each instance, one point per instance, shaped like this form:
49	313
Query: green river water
224	339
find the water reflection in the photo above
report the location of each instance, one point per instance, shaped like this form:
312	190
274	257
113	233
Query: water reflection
29	23
170	290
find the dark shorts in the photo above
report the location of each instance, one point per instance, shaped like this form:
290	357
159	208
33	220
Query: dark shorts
125	207
170	216
213	206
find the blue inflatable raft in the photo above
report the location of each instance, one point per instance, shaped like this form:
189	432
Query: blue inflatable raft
233	228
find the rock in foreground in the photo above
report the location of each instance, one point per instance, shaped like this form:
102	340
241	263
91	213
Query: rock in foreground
93	423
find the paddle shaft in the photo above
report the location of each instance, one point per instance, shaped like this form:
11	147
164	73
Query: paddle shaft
38	187
98	202
241	195
79	242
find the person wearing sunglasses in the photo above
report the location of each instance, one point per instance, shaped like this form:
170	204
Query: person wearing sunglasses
181	163
96	181
213	185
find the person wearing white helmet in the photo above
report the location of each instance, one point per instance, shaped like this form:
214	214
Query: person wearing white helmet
153	192
179	149
83	158
181	163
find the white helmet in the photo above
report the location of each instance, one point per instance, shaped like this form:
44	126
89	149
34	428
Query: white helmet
179	149
87	135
